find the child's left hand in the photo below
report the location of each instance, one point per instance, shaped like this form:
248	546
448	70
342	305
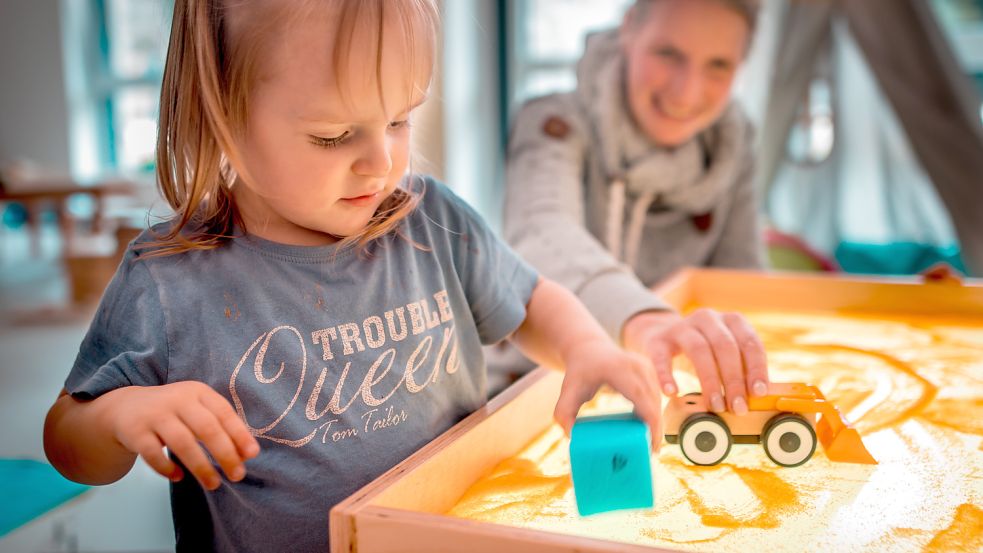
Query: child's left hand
591	364
559	332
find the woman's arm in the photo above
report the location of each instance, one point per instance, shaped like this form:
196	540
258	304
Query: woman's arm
545	217
741	244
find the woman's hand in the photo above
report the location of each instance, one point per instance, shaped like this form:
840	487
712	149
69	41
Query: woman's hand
591	364
189	418
727	354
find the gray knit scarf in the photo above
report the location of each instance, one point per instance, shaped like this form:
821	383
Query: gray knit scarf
690	178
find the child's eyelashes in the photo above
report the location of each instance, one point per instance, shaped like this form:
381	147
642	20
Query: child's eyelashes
330	142
334	141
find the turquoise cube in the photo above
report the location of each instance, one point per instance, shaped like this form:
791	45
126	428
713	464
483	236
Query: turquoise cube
611	464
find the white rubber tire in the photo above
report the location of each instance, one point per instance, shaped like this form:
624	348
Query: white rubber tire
705	439
789	440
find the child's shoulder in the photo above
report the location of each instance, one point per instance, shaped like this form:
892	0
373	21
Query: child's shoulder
148	245
149	237
432	191
439	200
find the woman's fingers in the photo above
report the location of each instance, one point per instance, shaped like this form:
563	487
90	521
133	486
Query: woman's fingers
696	347
752	353
727	355
660	354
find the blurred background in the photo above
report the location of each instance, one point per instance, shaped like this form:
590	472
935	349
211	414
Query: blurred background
864	167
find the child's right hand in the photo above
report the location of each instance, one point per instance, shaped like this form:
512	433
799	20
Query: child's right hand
183	416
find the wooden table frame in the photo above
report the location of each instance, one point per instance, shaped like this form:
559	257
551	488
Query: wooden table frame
36	194
403	509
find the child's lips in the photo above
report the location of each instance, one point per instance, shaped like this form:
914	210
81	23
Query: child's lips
363	200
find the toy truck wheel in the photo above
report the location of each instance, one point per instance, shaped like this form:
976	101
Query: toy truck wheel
705	439
789	440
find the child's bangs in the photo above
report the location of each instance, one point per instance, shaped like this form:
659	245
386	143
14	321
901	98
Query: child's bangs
387	35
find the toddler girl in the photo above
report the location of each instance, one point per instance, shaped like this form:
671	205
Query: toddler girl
313	313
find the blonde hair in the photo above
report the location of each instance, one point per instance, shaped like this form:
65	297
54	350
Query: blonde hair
210	71
748	9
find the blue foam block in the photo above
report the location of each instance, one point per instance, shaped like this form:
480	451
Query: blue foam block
611	465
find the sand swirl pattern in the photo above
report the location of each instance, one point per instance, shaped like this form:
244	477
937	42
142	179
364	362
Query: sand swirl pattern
912	386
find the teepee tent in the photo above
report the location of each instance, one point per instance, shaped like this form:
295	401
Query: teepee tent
906	163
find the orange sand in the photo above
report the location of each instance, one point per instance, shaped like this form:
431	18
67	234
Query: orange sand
913	387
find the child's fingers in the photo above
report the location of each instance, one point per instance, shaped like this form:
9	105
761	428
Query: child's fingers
182	443
573	394
695	346
151	449
244	441
728	358
656	428
752	351
210	432
634	385
660	355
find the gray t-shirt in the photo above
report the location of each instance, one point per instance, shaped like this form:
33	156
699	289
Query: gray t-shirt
342	361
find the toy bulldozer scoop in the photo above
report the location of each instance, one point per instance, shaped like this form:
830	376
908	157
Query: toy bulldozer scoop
784	422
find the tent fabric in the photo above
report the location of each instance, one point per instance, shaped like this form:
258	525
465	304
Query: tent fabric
934	104
935	101
805	35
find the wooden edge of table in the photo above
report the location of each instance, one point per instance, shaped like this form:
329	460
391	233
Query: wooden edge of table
386	530
435	477
54	188
729	289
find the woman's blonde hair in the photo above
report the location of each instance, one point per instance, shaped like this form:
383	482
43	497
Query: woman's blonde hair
208	77
748	9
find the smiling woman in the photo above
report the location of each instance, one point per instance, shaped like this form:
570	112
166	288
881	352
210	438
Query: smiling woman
646	168
681	62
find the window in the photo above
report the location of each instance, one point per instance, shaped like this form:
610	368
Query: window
114	54
548	39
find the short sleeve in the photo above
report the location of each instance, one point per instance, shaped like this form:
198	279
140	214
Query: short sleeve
126	344
497	282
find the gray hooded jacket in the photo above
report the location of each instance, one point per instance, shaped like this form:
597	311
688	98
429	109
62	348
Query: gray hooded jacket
595	205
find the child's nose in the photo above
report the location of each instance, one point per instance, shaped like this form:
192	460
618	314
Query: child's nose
374	159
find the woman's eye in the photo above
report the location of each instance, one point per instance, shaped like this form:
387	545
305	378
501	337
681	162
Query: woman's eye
399	124
720	70
330	142
668	53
